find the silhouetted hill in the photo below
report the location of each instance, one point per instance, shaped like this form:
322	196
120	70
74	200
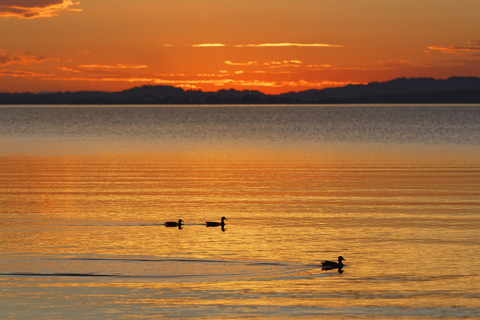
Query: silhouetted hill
401	90
414	90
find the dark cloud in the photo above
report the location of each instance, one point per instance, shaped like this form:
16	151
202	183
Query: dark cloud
29	9
24	58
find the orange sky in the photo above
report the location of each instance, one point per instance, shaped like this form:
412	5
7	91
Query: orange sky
269	45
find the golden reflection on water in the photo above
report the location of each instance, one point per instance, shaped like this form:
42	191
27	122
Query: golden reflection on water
408	228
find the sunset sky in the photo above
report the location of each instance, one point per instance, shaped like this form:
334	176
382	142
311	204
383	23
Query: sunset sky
269	45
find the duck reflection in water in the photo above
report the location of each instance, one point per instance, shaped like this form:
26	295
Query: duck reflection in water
174	224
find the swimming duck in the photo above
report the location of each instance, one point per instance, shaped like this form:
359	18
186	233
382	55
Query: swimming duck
216	224
173	223
332	264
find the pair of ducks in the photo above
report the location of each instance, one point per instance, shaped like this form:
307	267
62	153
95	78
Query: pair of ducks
179	223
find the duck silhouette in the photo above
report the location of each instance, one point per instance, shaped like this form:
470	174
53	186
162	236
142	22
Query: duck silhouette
216	224
332	264
174	224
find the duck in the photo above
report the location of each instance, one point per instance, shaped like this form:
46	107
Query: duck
216	224
332	264
173	223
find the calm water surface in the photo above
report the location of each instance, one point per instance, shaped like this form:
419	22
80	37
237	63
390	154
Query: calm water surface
84	192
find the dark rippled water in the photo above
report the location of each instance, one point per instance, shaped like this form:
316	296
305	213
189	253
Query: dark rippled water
378	124
84	192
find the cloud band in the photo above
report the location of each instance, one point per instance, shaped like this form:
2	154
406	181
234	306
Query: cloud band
267	45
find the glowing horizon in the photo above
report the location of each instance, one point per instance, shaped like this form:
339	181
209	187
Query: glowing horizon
266	45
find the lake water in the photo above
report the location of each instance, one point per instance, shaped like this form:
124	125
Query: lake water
84	193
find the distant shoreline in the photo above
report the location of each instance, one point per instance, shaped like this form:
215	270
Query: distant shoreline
462	90
252	105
